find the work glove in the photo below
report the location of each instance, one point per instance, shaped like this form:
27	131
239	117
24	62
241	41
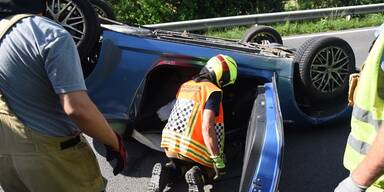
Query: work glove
348	185
218	166
120	155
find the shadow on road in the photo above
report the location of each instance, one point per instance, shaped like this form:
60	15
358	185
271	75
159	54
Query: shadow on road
141	160
313	158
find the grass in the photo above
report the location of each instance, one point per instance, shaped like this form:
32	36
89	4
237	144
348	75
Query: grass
302	27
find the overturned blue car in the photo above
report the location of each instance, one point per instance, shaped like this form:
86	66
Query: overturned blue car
132	71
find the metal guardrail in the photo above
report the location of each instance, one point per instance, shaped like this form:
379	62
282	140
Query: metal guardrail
268	17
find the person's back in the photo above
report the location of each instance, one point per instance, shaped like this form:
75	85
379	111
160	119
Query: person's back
30	55
193	138
44	108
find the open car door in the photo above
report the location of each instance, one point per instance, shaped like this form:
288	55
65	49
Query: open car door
264	143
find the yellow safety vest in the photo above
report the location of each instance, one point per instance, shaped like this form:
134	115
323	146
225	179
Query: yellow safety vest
183	132
368	109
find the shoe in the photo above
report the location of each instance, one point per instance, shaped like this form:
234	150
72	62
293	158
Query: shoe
158	180
194	179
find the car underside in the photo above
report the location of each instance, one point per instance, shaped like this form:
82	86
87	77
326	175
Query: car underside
163	83
241	129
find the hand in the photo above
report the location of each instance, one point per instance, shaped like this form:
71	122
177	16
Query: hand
348	185
218	166
120	155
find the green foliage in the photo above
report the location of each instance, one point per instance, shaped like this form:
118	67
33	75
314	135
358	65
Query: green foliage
302	27
228	33
142	11
315	4
159	11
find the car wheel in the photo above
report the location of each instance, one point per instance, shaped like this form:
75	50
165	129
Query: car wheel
80	19
325	64
259	34
103	9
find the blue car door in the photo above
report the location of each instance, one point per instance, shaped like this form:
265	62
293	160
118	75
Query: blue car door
264	144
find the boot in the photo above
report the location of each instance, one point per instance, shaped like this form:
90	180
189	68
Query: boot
194	179
159	178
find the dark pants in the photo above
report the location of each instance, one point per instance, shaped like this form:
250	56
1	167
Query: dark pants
179	167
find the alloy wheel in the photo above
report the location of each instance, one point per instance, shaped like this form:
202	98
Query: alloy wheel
70	16
329	69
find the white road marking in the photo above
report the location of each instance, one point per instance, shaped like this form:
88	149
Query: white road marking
329	33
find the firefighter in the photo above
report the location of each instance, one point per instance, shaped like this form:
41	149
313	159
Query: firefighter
193	138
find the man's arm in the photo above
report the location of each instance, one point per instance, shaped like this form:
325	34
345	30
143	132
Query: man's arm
209	133
372	167
210	140
79	107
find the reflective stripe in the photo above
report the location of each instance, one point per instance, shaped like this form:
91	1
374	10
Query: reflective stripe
173	135
363	131
351	158
357	145
170	142
186	146
189	152
192	122
365	116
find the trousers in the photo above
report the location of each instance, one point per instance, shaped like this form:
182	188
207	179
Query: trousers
34	162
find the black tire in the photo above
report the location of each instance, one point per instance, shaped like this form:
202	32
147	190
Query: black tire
80	19
325	79
103	9
260	33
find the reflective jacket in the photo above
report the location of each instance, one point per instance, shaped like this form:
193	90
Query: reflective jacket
368	110
183	132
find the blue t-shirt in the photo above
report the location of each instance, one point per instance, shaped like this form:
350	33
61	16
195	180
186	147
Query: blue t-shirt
213	102
38	61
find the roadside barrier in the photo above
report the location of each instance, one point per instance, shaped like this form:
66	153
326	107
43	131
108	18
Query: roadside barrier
264	18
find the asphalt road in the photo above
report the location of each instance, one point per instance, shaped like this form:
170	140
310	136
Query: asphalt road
359	39
312	156
312	163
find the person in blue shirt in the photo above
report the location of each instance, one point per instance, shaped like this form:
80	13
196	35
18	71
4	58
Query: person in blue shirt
44	109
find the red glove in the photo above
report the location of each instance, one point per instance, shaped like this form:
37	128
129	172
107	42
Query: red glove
121	155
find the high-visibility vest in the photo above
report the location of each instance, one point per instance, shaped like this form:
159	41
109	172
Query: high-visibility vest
183	132
368	109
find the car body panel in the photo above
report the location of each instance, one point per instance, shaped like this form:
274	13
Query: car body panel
294	116
126	58
264	144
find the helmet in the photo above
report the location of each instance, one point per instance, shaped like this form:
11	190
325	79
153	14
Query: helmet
12	7
222	70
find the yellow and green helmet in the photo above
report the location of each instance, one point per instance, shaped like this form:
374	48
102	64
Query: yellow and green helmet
223	69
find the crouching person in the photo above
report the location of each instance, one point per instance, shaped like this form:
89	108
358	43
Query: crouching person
193	138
